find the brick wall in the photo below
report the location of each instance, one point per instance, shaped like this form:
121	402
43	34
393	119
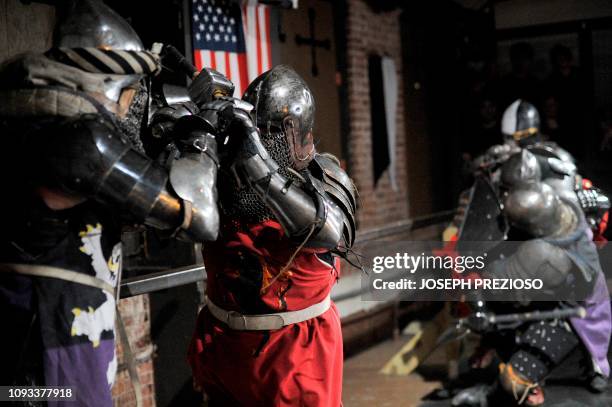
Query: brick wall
136	317
369	33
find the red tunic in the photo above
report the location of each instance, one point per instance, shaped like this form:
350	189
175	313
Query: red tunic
298	365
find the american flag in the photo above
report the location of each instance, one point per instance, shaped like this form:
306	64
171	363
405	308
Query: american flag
233	38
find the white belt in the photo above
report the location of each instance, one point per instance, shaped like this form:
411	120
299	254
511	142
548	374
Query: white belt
266	322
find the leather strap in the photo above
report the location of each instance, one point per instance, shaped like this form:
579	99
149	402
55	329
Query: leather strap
59	273
266	322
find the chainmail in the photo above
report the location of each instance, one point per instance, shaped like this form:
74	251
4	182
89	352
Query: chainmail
241	203
131	124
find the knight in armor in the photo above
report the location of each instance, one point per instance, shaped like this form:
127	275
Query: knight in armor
71	119
269	334
521	124
558	249
521	129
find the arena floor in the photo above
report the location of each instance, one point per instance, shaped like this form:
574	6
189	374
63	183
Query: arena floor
364	385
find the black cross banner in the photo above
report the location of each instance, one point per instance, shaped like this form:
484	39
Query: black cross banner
312	41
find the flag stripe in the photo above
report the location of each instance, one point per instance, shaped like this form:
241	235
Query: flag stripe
206	59
228	67
262	35
235	73
268	40
251	40
244	79
220	62
197	58
258	42
213	60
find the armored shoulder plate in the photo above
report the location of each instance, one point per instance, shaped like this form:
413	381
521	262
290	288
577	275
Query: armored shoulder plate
339	188
561	167
89	157
550	149
558	168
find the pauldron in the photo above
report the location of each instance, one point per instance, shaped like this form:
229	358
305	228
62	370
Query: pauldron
88	157
338	187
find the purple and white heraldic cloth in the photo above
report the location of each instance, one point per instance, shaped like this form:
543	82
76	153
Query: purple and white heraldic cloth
75	322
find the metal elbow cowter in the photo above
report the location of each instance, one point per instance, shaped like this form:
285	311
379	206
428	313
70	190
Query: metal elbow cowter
89	158
323	209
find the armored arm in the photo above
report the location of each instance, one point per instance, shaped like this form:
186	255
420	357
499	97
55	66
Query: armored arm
535	259
561	277
89	158
323	206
